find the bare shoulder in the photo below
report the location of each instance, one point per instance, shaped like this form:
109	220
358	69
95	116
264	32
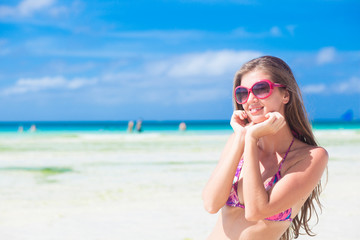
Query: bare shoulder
319	154
307	157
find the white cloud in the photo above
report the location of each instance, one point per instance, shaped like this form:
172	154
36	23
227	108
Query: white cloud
200	95
177	35
275	32
124	77
53	46
79	83
25	85
6	11
349	86
314	88
27	8
4	50
211	63
326	55
161	34
178	77
291	29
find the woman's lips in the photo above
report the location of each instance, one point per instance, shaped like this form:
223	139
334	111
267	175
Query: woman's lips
255	110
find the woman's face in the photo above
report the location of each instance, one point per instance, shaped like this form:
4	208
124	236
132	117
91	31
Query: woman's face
256	108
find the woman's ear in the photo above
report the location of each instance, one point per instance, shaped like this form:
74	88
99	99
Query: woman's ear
286	96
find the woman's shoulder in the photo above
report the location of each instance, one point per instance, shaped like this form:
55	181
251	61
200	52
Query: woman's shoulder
314	152
307	155
302	148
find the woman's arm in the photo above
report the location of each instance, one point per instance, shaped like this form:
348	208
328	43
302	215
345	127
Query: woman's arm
296	184
218	188
254	193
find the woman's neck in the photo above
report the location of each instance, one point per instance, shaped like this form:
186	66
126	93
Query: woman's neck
277	143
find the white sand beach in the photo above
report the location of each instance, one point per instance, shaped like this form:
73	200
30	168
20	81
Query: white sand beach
141	186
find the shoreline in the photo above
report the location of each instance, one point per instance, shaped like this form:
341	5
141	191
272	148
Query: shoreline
148	126
102	186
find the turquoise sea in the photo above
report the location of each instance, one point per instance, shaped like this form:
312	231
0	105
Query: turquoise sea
150	126
94	180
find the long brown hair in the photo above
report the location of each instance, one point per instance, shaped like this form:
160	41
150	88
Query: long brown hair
296	117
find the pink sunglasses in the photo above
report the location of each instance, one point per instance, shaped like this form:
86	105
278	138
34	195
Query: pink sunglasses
261	90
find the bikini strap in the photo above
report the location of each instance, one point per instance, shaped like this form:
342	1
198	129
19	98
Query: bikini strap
282	161
238	170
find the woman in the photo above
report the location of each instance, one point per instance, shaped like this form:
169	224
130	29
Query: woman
272	154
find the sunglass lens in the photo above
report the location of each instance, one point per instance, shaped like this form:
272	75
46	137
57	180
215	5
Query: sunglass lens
241	94
261	89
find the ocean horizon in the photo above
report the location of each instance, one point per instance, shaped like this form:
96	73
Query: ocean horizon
149	125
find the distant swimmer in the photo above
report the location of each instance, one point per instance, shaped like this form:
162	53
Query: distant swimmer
130	126
21	129
139	125
182	126
33	128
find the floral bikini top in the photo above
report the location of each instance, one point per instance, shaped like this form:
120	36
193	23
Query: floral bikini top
233	200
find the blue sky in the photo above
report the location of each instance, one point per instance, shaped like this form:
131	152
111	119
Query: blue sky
169	59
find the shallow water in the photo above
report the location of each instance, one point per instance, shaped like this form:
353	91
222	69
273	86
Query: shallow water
108	185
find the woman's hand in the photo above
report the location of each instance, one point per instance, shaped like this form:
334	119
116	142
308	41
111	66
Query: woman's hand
274	122
240	121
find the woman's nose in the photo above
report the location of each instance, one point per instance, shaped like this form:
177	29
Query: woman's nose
252	98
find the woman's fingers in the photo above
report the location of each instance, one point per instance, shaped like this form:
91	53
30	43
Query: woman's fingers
275	118
240	114
243	114
274	122
279	122
238	120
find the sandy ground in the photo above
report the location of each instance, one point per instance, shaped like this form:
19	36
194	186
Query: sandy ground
149	193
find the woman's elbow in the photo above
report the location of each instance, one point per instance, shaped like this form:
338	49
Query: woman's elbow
253	216
211	207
